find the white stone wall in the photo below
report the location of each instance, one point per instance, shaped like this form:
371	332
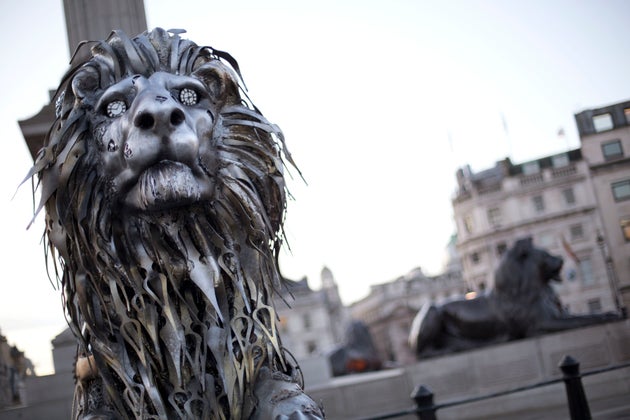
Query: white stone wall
605	173
479	248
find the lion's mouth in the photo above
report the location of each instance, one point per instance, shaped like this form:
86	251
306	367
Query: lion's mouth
555	272
164	185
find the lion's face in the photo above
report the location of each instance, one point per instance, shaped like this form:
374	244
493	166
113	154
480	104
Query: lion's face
153	135
551	266
524	269
548	265
142	136
151	139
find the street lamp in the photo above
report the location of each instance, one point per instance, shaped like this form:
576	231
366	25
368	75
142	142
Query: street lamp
610	271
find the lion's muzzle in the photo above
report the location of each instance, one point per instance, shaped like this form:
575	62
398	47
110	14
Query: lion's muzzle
159	129
555	266
165	185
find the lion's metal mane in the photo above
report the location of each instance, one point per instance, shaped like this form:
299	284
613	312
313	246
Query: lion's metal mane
147	292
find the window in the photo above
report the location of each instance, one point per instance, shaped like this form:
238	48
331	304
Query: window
501	248
468	223
577	232
625	228
569	196
621	190
612	150
586	270
546	240
626	112
307	321
475	258
494	216
594	305
539	203
602	122
531	168
560	161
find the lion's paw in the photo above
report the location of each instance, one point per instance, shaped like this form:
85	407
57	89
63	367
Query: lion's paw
279	398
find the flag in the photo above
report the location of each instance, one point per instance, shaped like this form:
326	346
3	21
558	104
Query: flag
569	251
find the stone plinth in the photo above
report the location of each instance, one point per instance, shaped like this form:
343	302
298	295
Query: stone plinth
492	369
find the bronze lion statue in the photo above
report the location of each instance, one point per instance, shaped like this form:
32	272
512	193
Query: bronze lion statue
164	194
357	354
522	304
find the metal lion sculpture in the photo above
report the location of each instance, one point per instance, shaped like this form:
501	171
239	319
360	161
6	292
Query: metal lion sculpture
522	304
164	195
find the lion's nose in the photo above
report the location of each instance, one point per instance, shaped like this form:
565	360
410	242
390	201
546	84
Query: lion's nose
159	116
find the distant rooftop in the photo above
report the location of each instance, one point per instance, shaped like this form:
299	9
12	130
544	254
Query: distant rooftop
296	287
491	179
597	120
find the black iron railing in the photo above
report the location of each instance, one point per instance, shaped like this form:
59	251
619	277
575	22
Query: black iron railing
426	409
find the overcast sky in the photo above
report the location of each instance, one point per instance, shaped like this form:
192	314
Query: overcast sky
380	103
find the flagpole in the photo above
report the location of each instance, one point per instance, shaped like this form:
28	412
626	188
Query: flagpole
507	135
562	135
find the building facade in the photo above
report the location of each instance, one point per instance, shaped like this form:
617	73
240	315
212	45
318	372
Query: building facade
574	204
605	140
14	369
312	322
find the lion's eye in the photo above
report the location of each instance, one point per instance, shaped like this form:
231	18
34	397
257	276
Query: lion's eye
116	108
188	97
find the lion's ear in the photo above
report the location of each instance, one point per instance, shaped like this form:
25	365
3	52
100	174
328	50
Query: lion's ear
85	82
219	80
523	247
